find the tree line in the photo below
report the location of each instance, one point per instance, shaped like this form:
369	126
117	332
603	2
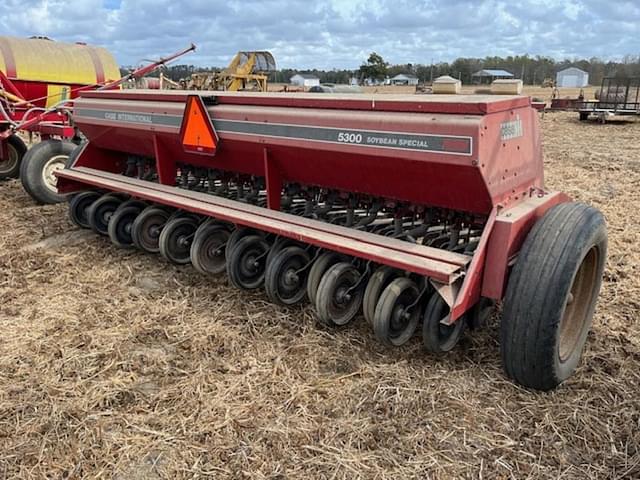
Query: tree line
533	70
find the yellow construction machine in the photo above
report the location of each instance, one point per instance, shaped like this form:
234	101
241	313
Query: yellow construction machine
247	71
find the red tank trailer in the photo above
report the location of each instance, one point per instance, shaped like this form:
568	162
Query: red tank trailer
415	210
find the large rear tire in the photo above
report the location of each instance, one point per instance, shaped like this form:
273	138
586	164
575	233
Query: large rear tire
551	296
37	171
16	149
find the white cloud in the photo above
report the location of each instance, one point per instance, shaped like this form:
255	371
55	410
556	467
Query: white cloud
335	33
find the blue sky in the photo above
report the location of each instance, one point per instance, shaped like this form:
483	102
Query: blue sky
335	33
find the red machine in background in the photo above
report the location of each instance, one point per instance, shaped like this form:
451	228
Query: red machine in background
39	79
414	209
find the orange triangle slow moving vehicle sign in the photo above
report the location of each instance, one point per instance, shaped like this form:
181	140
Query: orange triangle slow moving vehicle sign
197	133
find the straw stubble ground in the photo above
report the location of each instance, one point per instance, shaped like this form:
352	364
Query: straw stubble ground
116	364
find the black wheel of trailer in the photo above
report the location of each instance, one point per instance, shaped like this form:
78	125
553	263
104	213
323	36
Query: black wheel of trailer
100	213
16	150
397	314
79	208
208	248
146	228
176	239
120	226
438	337
551	295
380	279
339	297
247	263
323	263
38	168
584	116
286	276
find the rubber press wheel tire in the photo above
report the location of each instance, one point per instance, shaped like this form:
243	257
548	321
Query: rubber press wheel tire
247	263
208	248
100	212
323	263
176	238
79	207
278	245
37	171
120	226
380	279
551	295
333	305
16	150
286	276
238	234
146	228
392	324
438	337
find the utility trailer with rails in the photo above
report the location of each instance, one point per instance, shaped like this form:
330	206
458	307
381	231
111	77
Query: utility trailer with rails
616	97
420	212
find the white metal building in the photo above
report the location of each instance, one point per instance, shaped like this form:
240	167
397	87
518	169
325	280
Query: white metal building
572	77
404	79
304	80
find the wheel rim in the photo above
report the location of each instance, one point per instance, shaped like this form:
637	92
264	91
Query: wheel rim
54	164
248	263
9	164
343	302
211	254
180	243
79	208
101	213
290	284
149	230
123	227
401	319
578	304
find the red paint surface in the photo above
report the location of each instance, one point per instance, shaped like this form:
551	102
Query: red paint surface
500	176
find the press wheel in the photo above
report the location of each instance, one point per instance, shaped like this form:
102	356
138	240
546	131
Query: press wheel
397	315
337	302
380	279
79	208
121	224
286	276
208	248
325	261
247	263
436	336
176	238
146	228
100	213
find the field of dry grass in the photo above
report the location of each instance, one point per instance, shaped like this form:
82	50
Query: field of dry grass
115	364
